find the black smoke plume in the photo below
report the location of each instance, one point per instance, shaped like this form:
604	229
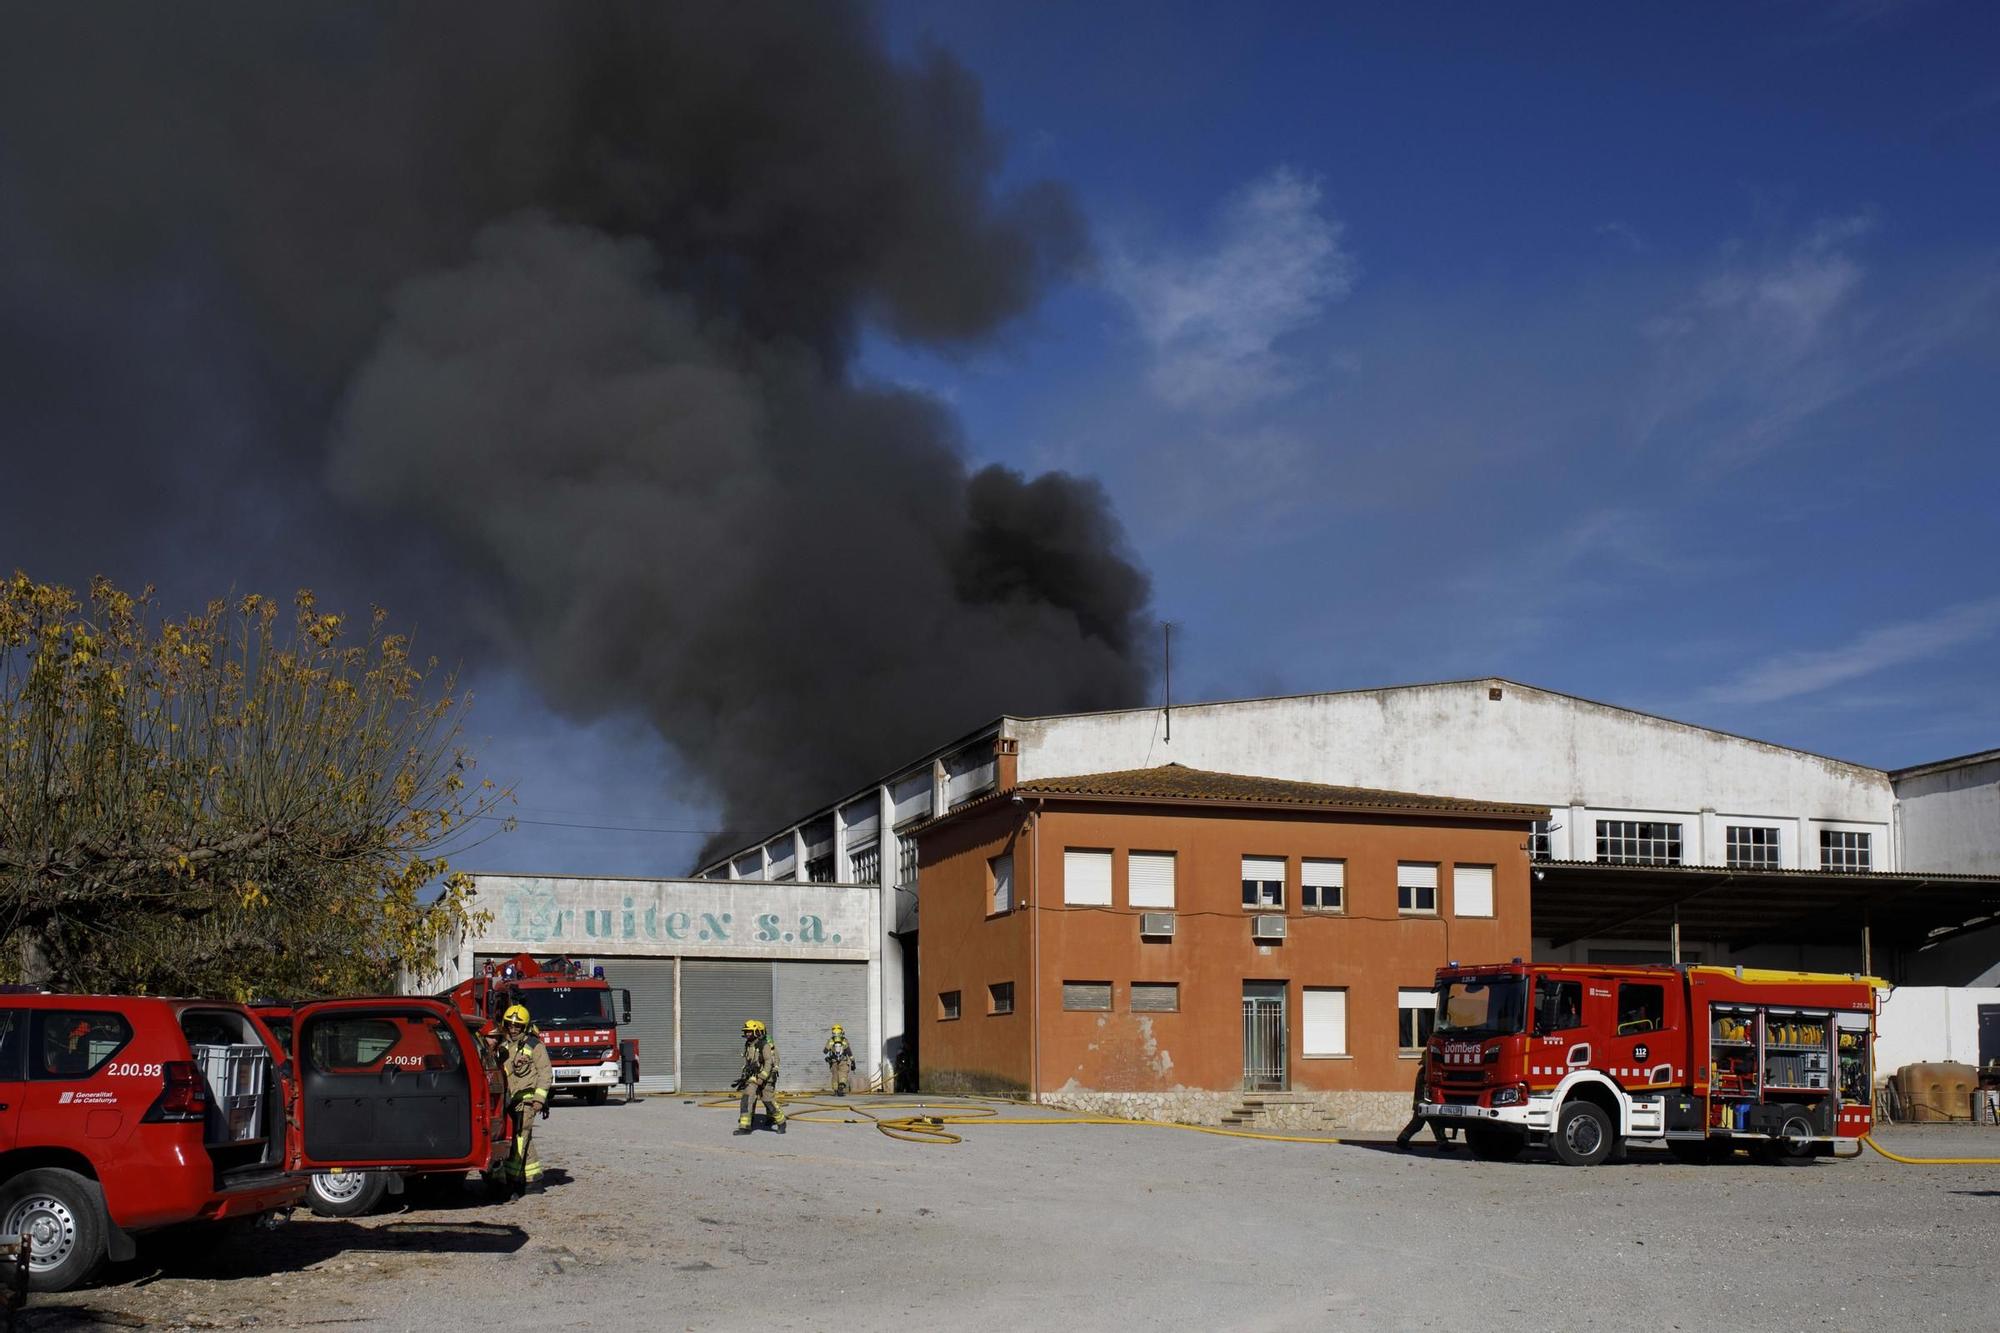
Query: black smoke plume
575	291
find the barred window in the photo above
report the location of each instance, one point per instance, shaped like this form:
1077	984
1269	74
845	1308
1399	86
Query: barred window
865	864
1638	842
906	860
1844	851
1094	996
819	870
1752	847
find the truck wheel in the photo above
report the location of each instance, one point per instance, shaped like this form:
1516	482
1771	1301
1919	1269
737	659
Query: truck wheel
1490	1144
597	1096
1583	1134
1792	1147
62	1215
346	1193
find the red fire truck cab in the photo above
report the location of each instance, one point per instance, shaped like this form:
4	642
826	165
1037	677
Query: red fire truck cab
576	1010
1706	1060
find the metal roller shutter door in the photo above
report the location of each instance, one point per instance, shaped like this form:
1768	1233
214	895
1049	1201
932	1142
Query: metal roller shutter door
651	981
716	996
810	999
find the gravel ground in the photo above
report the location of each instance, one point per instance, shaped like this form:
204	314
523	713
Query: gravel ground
656	1217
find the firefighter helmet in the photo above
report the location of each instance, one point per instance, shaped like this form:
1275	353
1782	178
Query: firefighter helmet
752	1027
516	1013
838	1029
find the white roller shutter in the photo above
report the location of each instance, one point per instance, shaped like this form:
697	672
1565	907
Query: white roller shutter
1413	875
716	996
1264	868
1325	1021
1087	878
651	981
1151	882
1472	890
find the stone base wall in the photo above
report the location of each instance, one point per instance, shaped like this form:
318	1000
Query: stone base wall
1313	1113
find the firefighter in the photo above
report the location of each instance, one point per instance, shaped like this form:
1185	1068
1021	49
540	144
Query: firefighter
1444	1143
839	1060
760	1077
524	1063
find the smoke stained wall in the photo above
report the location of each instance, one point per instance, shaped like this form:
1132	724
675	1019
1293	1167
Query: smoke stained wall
576	290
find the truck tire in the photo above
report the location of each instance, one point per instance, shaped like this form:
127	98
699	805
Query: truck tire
346	1193
597	1096
1792	1147
1489	1143
1583	1134
62	1214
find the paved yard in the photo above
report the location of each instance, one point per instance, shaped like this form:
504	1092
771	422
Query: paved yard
659	1218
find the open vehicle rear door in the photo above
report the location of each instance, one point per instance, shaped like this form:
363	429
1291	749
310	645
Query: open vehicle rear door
395	1082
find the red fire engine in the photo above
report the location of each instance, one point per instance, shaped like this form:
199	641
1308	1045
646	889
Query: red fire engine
1705	1059
573	1007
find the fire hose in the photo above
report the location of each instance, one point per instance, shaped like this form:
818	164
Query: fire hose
1869	1139
925	1122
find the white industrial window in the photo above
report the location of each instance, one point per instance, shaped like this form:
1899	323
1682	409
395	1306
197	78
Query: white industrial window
1752	846
1002	867
1638	842
1086	877
906	860
819	869
1156	997
1263	881
1843	851
1000	998
1321	883
864	864
1325	1012
1539	845
1151	882
1094	996
1416	1012
1417	887
1472	891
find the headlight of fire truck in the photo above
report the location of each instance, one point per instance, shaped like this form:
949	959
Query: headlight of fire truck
1507	1096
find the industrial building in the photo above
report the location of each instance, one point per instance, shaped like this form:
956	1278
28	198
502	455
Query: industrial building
1662	840
699	957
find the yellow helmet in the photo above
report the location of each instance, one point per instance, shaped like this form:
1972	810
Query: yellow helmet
516	1013
752	1025
838	1029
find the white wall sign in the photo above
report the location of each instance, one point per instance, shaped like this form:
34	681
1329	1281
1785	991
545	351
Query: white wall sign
665	917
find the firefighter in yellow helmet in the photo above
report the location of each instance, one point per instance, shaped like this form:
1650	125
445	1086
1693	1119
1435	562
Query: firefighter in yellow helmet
524	1063
839	1060
760	1077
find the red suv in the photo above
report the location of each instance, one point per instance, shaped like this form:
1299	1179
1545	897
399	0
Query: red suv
120	1114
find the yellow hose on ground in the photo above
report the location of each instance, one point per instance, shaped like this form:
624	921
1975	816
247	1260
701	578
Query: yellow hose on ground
929	1125
1869	1139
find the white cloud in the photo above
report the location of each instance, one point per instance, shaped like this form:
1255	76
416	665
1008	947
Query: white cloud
1214	318
1767	340
1789	675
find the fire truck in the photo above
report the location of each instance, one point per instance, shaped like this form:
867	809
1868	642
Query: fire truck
573	1006
1707	1060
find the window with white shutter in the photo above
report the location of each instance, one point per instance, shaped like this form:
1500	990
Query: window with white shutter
1417	887
1151	880
1416	1012
1321	884
1002	868
1263	881
1472	891
1325	1012
1086	877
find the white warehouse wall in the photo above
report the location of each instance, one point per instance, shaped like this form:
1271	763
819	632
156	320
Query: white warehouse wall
1586	760
1918	1024
1951	816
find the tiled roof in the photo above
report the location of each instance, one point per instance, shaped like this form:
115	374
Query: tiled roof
1175	782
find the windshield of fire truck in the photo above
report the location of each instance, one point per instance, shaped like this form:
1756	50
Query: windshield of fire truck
1488	1006
567	1006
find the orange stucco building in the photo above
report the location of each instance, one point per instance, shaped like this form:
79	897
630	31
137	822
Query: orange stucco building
1160	941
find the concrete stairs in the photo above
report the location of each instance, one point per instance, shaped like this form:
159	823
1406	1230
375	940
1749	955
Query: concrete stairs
1252	1109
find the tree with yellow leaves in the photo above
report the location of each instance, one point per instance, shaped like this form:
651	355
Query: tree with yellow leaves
234	803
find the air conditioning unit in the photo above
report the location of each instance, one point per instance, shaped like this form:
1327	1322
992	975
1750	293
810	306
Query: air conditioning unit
1267	928
1156	923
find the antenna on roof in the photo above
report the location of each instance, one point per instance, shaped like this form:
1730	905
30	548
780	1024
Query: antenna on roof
1167	687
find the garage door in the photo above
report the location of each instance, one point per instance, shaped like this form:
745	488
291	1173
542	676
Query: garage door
716	996
651	981
810	998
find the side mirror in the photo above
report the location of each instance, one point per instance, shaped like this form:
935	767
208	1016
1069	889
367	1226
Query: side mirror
625	998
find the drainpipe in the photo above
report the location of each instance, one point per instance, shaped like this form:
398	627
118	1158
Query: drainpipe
1035	952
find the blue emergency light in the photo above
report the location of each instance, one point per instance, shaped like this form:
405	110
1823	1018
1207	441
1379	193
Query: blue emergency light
597	972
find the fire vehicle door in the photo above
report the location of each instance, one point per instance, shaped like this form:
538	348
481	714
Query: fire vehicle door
13	1078
390	1082
1645	1032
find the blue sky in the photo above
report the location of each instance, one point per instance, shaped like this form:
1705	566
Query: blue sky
1648	355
